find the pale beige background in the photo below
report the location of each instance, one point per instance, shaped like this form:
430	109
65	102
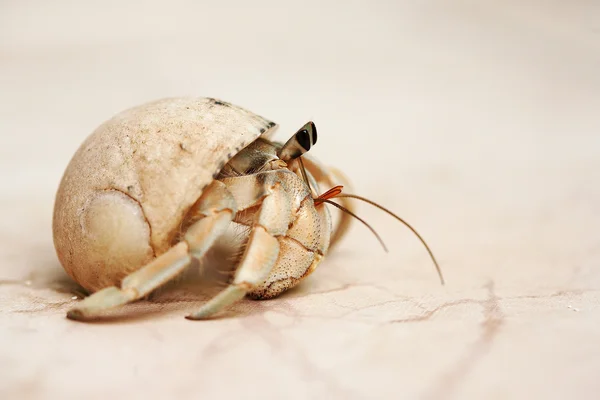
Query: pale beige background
477	121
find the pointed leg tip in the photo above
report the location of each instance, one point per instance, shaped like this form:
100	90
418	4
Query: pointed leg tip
197	316
76	314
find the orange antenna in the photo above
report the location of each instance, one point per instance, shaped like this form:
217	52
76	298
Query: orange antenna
330	194
344	209
382	208
336	192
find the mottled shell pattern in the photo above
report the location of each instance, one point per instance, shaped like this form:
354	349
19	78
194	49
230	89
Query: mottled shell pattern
138	174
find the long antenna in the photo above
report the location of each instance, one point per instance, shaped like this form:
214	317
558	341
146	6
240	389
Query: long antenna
344	209
437	266
303	170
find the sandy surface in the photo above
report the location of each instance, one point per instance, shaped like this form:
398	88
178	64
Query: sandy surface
477	123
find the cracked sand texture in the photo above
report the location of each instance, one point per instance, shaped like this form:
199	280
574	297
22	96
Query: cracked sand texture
478	123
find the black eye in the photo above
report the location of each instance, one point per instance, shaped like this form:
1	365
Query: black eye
314	133
303	138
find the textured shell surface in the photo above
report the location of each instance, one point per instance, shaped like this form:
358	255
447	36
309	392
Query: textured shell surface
125	191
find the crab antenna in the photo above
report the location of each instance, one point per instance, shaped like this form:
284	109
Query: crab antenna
437	266
303	170
299	143
330	194
344	209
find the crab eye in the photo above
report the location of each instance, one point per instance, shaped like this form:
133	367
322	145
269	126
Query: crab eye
300	143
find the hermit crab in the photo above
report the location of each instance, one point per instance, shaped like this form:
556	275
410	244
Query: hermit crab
158	185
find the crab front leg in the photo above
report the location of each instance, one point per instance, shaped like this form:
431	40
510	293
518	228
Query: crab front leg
262	249
215	210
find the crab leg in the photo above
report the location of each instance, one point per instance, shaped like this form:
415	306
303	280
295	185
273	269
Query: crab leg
216	208
262	249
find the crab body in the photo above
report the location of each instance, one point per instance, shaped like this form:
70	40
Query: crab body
158	185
